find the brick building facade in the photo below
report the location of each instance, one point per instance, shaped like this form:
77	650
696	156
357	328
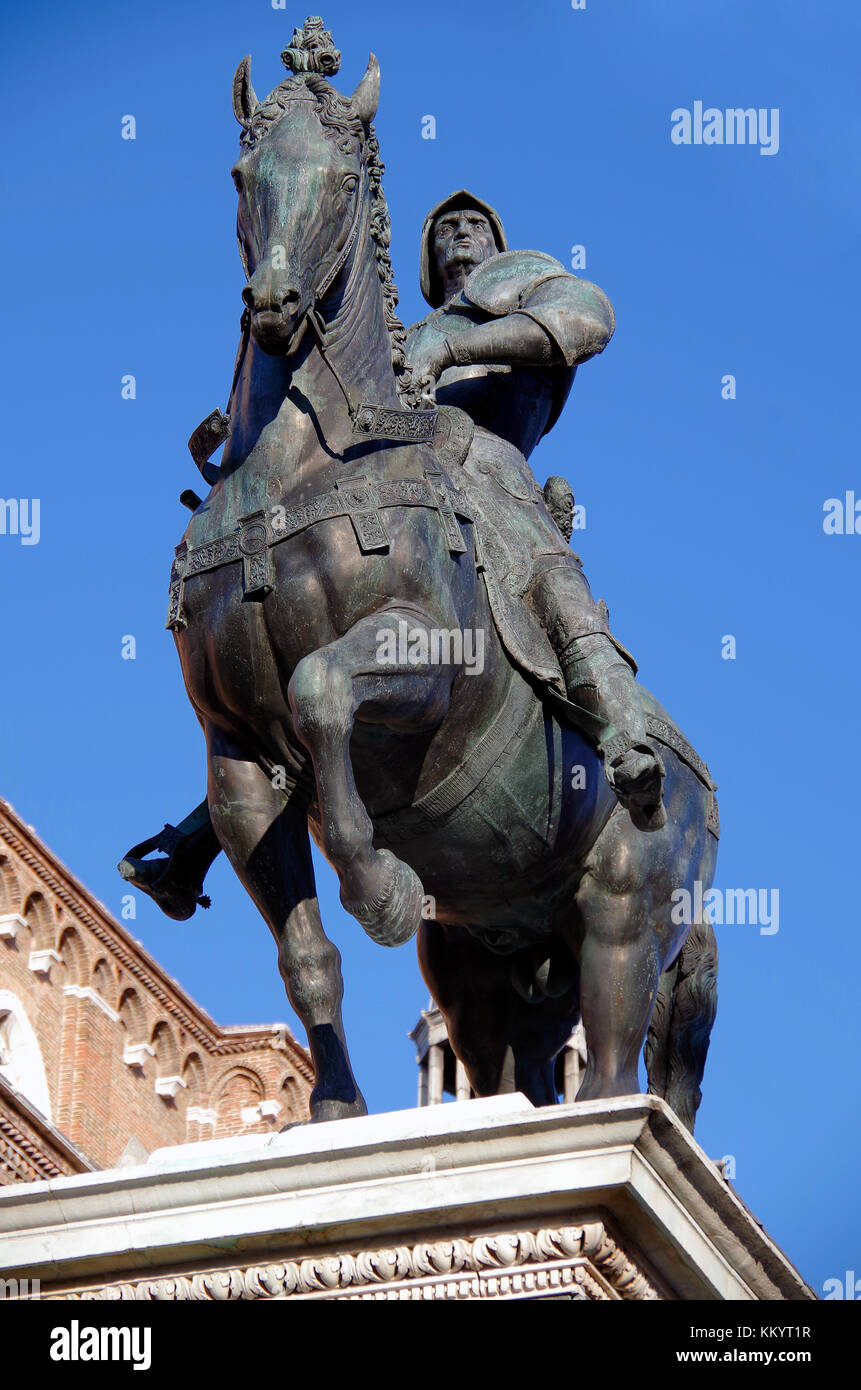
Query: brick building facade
104	1057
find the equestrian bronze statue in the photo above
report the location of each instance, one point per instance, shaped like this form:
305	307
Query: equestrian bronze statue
390	645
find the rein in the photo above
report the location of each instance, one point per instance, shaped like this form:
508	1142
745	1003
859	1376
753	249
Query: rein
370	422
215	429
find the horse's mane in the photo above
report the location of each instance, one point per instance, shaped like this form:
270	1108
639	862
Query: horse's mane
341	124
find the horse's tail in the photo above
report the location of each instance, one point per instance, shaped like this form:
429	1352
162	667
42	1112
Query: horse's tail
684	1012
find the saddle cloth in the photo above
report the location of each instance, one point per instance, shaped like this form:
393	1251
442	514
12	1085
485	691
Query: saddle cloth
508	536
502	498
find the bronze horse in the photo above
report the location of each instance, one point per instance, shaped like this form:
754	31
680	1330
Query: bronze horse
418	782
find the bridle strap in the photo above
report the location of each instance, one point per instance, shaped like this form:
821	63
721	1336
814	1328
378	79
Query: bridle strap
215	429
318	324
322	289
245	326
370	422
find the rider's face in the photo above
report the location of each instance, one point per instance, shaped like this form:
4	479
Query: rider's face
462	238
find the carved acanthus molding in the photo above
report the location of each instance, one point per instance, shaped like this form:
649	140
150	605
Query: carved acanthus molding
577	1262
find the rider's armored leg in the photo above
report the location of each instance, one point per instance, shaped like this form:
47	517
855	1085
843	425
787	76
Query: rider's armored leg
599	679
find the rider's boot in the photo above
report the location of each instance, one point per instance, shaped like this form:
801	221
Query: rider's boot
175	883
599	680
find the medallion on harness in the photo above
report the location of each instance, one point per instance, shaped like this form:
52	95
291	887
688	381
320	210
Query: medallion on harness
363	512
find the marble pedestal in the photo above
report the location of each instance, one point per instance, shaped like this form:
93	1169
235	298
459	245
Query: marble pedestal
490	1199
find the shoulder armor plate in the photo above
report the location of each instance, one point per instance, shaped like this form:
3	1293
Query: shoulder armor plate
501	284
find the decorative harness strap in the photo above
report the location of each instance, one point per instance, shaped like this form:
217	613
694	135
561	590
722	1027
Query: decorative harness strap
360	498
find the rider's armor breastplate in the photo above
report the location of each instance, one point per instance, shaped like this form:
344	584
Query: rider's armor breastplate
515	403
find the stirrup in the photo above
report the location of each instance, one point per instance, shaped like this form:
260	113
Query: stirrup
174	885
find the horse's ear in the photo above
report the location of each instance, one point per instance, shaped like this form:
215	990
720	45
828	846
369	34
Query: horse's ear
244	96
366	97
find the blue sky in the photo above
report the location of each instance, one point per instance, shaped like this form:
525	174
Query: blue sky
704	515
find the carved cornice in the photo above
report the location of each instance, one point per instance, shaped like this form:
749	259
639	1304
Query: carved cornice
24	1157
30	1157
576	1262
31	1147
15	1167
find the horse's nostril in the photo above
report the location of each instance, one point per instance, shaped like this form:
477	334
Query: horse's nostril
248	296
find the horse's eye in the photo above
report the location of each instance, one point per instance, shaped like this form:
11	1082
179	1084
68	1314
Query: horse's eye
349	183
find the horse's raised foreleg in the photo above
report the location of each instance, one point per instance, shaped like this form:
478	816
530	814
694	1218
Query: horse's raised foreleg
360	675
265	835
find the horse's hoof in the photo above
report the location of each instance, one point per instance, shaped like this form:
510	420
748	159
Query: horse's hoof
394	916
325	1110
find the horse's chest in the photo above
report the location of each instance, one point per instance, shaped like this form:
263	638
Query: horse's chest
238	647
237	627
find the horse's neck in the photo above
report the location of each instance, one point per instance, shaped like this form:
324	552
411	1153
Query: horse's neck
357	340
290	418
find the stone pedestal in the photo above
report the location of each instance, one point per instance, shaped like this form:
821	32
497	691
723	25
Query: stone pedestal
478	1199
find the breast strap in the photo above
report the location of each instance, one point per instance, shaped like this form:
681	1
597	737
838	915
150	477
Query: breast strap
361	499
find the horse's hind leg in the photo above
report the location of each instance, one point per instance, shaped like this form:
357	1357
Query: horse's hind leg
470	988
265	835
329	689
621	955
506	1041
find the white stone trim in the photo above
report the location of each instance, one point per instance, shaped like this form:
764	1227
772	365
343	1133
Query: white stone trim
87	992
575	1262
40	962
264	1110
25	1069
196	1114
136	1054
440	1174
170	1086
10	923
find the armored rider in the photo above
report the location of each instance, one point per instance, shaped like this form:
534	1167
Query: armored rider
502	343
506	333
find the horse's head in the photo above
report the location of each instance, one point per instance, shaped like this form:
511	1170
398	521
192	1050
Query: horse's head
302	181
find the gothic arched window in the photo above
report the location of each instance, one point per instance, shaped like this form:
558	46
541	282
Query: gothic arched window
21	1062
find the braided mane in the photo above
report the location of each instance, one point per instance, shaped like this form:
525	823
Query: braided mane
351	136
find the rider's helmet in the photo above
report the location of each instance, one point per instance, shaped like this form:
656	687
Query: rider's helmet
430	281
